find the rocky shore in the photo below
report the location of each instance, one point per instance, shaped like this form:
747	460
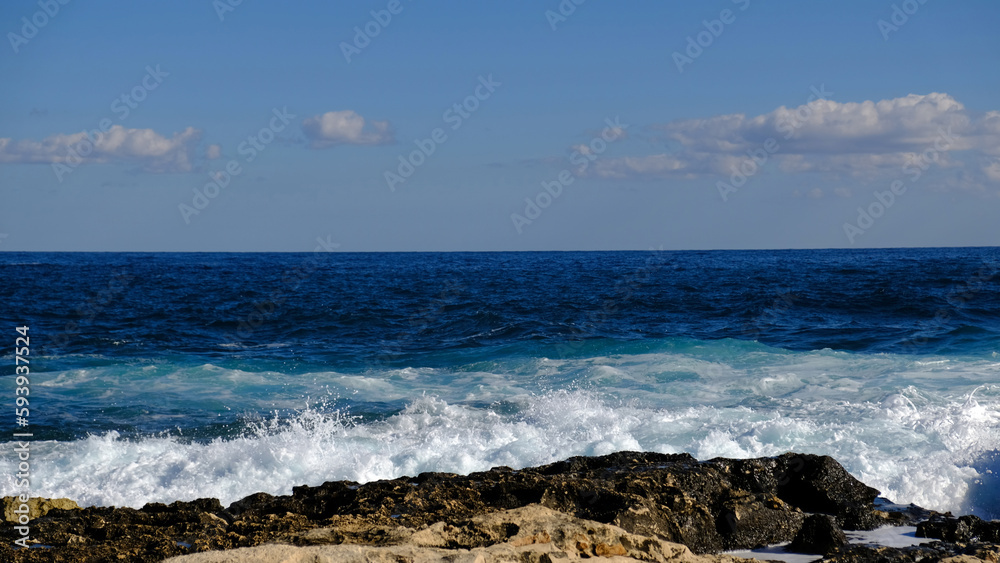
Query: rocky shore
620	507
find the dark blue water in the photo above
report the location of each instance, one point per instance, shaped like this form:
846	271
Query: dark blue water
346	309
261	371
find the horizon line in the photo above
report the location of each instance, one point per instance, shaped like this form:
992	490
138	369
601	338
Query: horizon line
481	251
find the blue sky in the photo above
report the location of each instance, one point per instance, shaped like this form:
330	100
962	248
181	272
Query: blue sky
849	132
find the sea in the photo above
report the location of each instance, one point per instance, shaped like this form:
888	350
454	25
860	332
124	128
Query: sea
155	377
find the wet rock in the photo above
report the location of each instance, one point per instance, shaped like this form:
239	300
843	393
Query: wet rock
925	553
901	514
820	484
964	529
820	535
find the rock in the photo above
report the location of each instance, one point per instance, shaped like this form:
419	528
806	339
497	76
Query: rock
963	529
530	533
623	505
820	484
929	552
820	535
37	507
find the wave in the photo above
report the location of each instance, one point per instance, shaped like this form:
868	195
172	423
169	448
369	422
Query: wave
937	453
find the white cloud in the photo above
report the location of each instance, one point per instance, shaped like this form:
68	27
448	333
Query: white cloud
862	139
345	128
213	152
147	148
662	165
828	127
992	170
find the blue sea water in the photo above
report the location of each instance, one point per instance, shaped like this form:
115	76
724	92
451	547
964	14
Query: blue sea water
159	377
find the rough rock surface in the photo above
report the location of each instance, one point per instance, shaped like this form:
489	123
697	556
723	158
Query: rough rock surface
820	535
963	529
933	552
531	533
37	507
709	506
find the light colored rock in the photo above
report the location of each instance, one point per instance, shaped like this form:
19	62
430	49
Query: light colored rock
37	507
532	534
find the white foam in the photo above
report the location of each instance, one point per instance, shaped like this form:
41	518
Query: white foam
775	553
887	536
912	456
913	428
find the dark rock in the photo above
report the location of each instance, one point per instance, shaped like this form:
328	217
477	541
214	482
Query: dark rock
964	529
820	484
710	506
820	535
924	553
902	514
